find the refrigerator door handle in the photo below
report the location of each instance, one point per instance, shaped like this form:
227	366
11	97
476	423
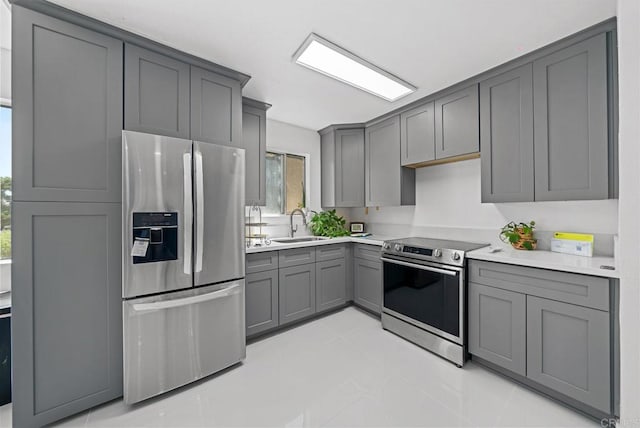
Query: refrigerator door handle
167	304
199	210
188	212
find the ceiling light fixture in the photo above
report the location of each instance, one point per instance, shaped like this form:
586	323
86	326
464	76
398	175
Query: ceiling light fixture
331	60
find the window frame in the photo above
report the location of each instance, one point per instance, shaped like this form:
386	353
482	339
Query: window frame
307	168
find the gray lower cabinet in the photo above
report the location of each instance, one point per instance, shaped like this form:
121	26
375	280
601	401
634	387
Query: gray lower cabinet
497	327
254	141
553	329
342	166
506	136
387	183
571	122
261	301
67	309
297	292
156	93
331	286
417	135
67	111
367	291
456	121
568	350
216	108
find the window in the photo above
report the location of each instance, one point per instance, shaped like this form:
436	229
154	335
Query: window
285	182
5	182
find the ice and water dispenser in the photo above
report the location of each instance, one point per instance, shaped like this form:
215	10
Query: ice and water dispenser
155	237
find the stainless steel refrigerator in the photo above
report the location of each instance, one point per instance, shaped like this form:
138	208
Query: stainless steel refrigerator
183	261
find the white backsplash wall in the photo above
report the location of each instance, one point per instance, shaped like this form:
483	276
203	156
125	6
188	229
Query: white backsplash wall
448	196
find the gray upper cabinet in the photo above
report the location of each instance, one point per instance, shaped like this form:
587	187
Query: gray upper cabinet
216	108
261	301
156	93
254	141
571	122
506	136
387	183
342	163
67	102
457	130
331	286
67	309
297	292
567	350
497	327
417	135
349	168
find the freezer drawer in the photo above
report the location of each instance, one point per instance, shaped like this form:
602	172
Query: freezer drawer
176	338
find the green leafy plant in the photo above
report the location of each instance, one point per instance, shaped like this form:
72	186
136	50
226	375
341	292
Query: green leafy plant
328	223
519	235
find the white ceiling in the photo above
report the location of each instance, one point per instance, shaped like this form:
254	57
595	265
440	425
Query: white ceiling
430	43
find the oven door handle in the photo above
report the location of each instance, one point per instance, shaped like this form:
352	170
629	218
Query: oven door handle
422	267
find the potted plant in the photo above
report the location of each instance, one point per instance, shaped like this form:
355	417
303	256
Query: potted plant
328	223
519	235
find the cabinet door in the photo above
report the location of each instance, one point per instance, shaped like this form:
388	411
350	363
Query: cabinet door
417	135
571	127
349	168
331	286
216	108
568	350
156	93
67	309
261	301
506	136
367	276
328	169
497	327
254	142
67	111
382	163
297	292
457	129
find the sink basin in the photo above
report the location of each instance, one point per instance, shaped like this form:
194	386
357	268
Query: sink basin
301	239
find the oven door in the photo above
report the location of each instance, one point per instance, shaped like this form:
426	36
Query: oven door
428	295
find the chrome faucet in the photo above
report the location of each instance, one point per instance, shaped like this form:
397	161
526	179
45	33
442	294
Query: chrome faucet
293	230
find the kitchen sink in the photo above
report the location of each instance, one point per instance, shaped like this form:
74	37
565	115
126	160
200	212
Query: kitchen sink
302	239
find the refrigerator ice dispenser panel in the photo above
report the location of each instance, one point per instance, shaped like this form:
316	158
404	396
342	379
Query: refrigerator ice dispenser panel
157	232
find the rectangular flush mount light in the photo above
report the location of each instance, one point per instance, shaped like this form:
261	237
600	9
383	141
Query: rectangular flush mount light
329	59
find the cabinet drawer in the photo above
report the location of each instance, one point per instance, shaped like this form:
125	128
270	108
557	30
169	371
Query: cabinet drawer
583	290
296	256
367	252
259	262
330	252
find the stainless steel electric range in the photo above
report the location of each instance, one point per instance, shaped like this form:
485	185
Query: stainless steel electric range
424	297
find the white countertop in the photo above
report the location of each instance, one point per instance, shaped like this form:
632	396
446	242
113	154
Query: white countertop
537	258
549	260
372	240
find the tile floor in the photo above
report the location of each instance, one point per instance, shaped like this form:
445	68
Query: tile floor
341	370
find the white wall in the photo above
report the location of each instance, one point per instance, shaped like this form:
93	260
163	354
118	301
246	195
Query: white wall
284	137
289	138
449	196
5	76
629	241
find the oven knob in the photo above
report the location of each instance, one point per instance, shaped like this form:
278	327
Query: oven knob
398	247
386	245
455	256
437	252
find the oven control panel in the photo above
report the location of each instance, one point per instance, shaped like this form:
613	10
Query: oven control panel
420	251
442	255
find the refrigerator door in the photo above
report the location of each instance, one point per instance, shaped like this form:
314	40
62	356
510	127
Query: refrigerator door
219	213
156	185
176	338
